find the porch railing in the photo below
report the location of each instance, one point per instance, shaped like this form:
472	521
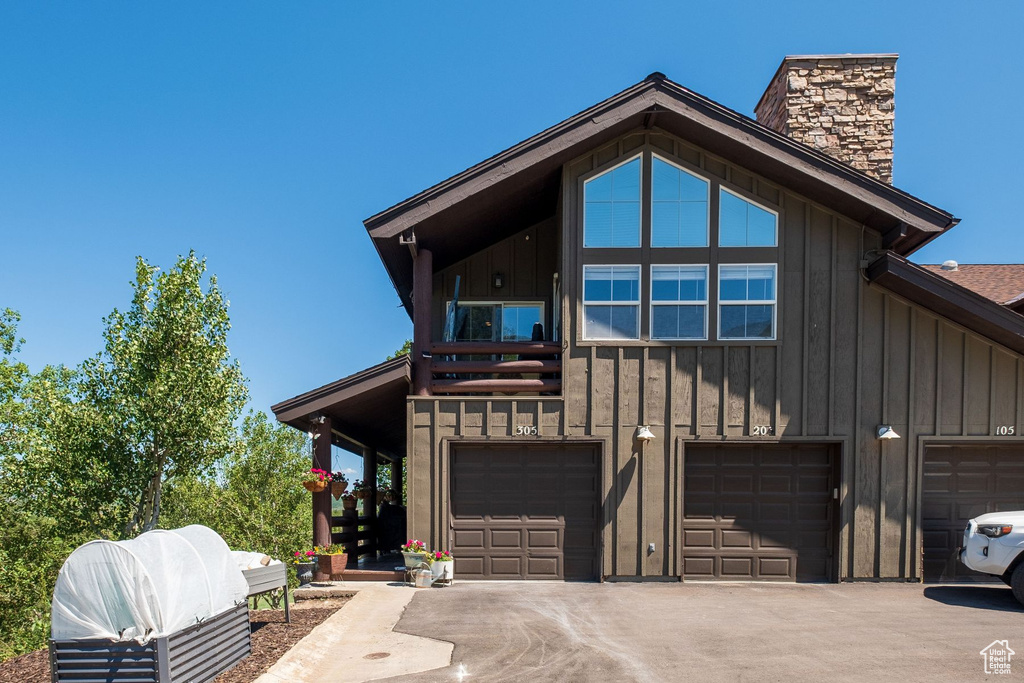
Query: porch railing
489	370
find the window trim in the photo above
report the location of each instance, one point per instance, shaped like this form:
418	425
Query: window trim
638	303
502	303
706	302
640	201
734	193
774	302
707	202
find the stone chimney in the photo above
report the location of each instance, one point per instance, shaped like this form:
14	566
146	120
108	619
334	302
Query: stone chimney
841	105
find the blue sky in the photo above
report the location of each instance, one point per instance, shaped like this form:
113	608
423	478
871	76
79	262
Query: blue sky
262	134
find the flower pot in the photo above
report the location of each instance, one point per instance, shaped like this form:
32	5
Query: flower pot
315	486
349	504
361	494
443	569
338	488
304	571
332	564
380	497
413	560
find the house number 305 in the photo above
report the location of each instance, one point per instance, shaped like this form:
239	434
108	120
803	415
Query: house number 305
526	430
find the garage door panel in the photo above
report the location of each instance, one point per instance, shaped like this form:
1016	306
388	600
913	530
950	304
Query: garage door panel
958	483
758	512
532	511
468	564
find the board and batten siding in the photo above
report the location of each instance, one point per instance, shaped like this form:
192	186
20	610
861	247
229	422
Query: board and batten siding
848	357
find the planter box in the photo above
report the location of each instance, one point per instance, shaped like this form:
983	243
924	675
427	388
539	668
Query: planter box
332	564
198	653
413	560
265	579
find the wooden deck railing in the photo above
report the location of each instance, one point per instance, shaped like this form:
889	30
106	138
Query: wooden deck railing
454	375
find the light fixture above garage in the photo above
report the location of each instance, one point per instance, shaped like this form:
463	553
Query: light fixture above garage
643	433
886	432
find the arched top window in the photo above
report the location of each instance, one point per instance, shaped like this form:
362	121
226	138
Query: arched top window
679	207
611	207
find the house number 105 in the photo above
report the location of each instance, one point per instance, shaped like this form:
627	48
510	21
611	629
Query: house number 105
526	430
1004	430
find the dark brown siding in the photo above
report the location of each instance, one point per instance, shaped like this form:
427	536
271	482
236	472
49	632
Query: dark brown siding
849	356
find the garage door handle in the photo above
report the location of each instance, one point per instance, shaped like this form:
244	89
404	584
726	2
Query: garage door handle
835	494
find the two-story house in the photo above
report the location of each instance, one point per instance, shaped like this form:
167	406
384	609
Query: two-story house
661	340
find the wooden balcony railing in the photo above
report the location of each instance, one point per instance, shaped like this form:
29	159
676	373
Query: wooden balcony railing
451	374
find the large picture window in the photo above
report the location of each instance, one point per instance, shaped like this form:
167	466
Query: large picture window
746	301
611	302
679	302
611	207
742	223
679	207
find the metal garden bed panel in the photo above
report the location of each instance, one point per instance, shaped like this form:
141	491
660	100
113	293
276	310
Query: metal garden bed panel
195	654
266	579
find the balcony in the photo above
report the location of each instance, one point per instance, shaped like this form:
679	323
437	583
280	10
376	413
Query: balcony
496	367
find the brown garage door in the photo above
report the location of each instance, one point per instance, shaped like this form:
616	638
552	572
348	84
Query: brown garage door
525	512
759	512
961	482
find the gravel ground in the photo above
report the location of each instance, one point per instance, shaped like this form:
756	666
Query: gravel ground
271	638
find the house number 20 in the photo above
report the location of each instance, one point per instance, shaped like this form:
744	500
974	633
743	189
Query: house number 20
760	430
526	430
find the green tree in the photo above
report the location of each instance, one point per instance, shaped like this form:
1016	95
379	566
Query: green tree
253	498
165	389
404	351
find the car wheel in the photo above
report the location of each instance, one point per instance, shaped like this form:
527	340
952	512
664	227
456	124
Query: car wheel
1017	583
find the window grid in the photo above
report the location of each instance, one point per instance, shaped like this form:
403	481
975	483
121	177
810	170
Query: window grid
747	302
680	209
680	301
614	205
755	219
591	303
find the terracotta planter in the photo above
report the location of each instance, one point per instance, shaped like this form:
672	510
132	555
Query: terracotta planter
315	486
332	564
338	488
349	504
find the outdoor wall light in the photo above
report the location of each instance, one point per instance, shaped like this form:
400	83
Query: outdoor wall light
643	433
886	432
499	280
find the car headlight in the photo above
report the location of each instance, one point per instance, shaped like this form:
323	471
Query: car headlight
995	530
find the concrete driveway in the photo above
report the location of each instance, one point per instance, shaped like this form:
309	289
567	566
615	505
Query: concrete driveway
709	632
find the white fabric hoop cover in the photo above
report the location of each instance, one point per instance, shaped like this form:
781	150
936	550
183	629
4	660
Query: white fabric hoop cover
146	587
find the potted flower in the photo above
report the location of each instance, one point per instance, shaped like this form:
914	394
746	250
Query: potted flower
361	489
415	553
332	559
304	562
348	501
442	565
338	484
316	480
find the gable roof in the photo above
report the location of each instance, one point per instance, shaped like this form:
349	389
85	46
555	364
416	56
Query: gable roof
949	299
520	185
999	282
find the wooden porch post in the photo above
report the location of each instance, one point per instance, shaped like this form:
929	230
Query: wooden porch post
396	479
422	300
370	503
322	500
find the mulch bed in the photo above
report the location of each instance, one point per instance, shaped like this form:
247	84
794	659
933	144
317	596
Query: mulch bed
271	638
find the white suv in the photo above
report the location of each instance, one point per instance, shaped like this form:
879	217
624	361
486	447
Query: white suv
994	544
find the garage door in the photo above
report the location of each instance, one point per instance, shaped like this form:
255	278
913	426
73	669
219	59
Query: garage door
759	512
525	512
961	482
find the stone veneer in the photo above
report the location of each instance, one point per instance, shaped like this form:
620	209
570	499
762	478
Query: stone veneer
841	105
